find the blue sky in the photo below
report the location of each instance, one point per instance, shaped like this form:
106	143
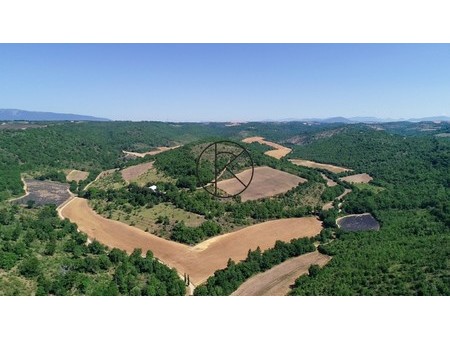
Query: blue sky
223	82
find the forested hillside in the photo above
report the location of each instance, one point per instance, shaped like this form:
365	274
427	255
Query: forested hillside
42	255
411	253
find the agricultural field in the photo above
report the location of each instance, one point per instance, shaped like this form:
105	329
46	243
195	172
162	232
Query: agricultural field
278	280
151	176
312	164
278	152
133	172
330	182
44	192
358	178
150	219
158	150
360	222
77	175
267	182
212	253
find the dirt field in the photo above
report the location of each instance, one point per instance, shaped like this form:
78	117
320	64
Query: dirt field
330	183
266	182
135	171
359	178
200	261
278	152
153	152
77	175
44	192
277	281
312	164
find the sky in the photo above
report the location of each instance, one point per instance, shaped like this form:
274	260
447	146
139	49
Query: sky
227	82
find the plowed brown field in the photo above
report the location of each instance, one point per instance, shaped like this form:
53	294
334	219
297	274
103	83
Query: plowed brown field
200	261
153	152
277	281
135	171
312	164
359	178
278	152
266	182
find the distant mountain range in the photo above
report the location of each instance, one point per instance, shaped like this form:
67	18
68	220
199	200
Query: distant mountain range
366	119
24	115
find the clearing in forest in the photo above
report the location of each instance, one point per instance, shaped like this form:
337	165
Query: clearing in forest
77	175
359	178
267	182
312	164
152	152
135	171
278	152
200	261
278	280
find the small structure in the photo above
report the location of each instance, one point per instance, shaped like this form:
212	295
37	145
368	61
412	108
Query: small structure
154	188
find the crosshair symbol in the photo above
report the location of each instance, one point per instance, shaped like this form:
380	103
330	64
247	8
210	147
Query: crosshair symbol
220	159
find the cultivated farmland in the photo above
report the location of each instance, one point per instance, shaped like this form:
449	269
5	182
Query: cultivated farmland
359	178
278	152
312	164
359	222
266	182
135	171
200	261
77	175
152	152
278	280
44	192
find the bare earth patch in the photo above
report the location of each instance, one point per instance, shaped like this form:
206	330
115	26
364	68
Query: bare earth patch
153	152
278	280
77	176
200	261
278	152
359	178
330	182
135	171
312	164
266	182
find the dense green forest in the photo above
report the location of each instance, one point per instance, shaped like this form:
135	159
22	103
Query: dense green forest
42	255
410	255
